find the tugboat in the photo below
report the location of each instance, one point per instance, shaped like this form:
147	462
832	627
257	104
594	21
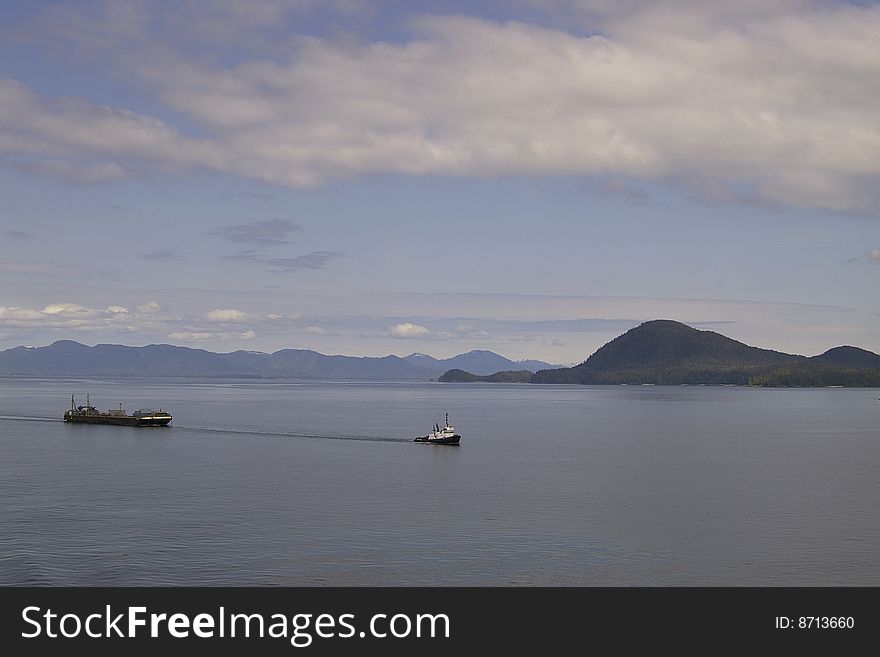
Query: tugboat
88	414
438	436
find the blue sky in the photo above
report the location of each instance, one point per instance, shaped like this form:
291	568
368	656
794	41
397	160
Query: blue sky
388	177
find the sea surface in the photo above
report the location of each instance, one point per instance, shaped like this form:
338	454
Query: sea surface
318	483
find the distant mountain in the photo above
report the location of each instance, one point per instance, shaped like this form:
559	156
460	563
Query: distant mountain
424	361
669	352
479	362
534	365
69	358
298	363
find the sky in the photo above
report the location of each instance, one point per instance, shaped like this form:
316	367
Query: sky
532	177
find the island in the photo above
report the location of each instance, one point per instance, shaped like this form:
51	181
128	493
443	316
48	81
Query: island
667	352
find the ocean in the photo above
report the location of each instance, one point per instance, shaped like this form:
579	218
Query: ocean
318	483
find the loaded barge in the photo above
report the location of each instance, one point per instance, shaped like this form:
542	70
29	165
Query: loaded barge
88	414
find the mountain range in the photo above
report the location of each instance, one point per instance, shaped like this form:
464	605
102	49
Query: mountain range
69	358
667	352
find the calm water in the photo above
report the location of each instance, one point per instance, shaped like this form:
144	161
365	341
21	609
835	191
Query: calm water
317	483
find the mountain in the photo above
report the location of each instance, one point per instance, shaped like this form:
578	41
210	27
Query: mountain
534	365
664	343
669	352
659	351
299	363
848	357
69	358
478	362
424	361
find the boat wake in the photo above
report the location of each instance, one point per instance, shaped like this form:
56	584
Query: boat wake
235	432
290	434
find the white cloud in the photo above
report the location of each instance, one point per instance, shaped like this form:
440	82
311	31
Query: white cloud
149	307
200	336
66	309
117	309
226	315
874	255
83	138
752	100
193	335
315	330
408	330
19	314
63	317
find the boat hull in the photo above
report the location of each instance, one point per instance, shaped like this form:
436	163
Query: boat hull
445	440
120	421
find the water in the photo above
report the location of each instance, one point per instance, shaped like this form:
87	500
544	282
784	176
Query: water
319	484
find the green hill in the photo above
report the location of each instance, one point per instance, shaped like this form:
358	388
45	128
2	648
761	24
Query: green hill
460	376
668	353
848	357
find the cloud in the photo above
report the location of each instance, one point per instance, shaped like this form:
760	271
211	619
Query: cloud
75	173
408	330
17	314
874	255
67	309
193	335
62	317
615	187
17	234
759	102
264	233
201	336
244	255
313	260
227	315
54	270
81	142
162	255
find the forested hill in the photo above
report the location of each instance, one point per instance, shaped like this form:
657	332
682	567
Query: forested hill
668	352
510	376
848	357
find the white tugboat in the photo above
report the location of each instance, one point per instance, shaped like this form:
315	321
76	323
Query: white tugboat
438	436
